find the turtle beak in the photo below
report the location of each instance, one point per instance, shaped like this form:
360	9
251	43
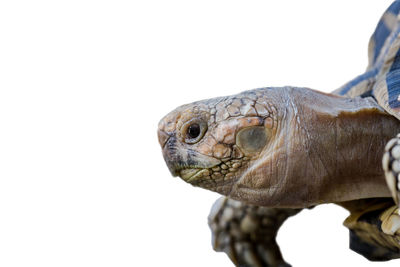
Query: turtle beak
167	143
179	157
170	156
163	137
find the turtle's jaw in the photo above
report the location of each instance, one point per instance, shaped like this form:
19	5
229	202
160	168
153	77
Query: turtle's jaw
188	174
182	161
198	169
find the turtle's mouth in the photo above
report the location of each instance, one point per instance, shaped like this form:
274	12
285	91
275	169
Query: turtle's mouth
187	174
190	174
185	163
194	175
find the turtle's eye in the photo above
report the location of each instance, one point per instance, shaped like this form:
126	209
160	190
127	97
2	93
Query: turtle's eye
194	130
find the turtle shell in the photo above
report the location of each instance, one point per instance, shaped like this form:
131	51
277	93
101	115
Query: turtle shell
382	77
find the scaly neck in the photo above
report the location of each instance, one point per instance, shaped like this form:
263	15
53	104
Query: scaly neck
344	139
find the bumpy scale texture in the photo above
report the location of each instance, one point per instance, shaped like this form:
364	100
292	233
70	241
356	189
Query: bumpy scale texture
224	116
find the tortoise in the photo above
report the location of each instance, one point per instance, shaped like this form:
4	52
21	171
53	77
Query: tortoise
272	152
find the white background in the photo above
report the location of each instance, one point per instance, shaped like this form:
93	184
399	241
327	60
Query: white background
83	85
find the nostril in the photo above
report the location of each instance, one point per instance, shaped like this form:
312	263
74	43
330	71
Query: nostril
162	137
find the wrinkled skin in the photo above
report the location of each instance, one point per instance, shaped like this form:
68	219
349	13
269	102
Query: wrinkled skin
280	147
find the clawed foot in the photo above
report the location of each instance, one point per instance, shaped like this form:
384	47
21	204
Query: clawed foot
374	228
247	233
391	222
391	166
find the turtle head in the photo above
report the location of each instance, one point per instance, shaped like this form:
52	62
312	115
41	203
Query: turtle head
282	147
213	143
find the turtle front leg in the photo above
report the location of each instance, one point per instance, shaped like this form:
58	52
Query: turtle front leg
391	166
247	233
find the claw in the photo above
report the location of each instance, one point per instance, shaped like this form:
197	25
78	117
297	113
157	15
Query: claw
391	221
392	184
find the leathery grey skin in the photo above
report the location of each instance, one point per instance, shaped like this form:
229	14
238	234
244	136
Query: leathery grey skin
281	147
274	151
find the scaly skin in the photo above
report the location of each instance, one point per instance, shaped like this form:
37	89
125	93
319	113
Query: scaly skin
246	233
217	154
281	147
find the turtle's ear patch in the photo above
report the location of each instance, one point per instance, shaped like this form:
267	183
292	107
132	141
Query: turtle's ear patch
252	139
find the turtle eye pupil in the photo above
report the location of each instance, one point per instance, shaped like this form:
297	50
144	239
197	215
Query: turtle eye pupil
194	130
